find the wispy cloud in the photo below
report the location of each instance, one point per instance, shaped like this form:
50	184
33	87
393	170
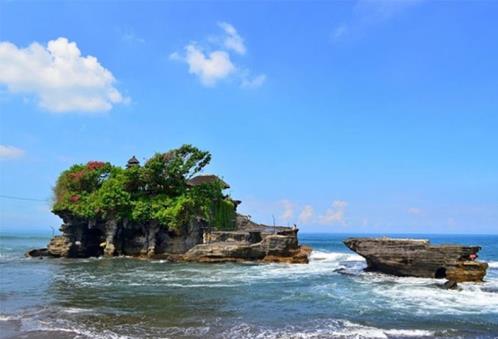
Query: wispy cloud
232	40
414	211
287	210
335	214
131	37
306	214
59	77
214	62
248	81
10	152
367	13
339	31
376	10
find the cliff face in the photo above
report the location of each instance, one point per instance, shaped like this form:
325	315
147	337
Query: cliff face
418	258
195	242
82	238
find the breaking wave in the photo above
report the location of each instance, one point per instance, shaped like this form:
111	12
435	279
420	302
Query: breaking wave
323	329
493	264
31	326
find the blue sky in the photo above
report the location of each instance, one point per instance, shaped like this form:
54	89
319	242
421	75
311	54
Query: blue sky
354	116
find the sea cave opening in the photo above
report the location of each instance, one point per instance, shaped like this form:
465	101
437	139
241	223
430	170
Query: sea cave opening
440	273
94	237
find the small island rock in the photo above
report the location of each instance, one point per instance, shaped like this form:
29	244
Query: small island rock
419	258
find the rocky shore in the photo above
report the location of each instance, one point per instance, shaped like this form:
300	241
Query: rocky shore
419	258
196	243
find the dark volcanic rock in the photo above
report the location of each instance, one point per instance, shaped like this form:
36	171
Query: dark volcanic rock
38	252
450	285
418	258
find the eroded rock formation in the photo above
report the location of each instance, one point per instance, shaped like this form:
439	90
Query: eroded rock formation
163	209
196	242
419	258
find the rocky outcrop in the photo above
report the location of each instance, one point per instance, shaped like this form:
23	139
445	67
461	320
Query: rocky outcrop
195	242
38	252
419	258
83	238
61	246
249	246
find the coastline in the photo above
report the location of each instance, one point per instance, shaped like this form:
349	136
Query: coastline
119	297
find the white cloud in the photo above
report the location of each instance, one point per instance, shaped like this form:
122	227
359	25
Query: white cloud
214	63
288	210
210	68
61	79
306	214
414	211
335	213
232	40
10	152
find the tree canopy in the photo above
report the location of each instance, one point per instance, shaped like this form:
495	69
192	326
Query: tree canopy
157	191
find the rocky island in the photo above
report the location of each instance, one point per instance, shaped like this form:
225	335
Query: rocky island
164	209
419	258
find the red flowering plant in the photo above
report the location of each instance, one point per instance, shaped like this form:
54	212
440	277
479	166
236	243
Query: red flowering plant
78	185
95	165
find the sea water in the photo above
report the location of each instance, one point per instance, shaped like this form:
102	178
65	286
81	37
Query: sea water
330	297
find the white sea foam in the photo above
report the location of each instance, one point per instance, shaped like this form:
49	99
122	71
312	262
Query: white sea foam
8	317
334	256
318	329
420	295
34	324
76	310
424	297
493	264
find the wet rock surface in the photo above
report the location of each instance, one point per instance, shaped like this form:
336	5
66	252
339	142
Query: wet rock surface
419	258
450	285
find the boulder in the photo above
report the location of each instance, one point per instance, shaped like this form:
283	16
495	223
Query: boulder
297	256
279	245
59	246
450	285
225	252
38	252
272	248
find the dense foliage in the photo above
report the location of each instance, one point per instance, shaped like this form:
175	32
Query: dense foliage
157	191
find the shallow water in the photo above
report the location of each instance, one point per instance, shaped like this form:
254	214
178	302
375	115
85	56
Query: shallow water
128	298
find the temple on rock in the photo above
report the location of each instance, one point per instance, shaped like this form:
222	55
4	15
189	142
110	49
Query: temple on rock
162	209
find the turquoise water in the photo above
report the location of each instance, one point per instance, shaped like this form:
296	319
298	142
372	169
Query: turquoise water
128	298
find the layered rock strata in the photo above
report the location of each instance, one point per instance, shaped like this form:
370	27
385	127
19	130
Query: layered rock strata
419	258
195	242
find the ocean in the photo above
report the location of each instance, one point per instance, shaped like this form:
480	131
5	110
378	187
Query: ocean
131	298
